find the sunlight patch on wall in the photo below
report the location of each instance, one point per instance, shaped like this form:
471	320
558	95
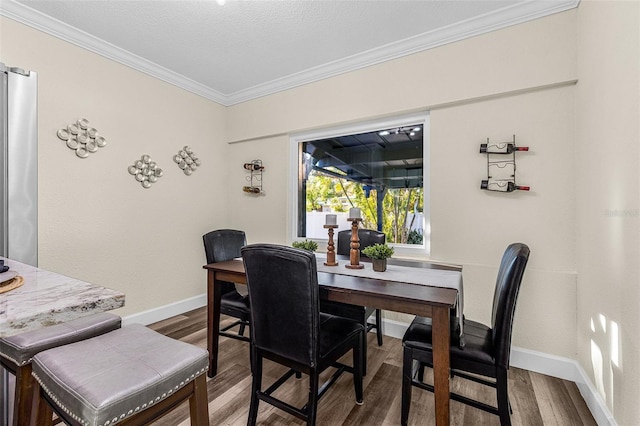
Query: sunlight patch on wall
605	356
596	363
615	340
603	322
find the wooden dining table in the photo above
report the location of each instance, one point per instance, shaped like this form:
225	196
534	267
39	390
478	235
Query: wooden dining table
427	301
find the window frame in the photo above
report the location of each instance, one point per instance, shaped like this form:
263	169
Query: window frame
295	139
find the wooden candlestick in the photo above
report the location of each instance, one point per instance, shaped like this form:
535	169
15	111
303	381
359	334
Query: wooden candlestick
354	254
331	251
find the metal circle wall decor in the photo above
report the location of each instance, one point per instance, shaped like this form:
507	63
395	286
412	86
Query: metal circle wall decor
187	160
145	171
81	138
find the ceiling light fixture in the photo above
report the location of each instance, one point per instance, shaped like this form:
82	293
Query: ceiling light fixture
221	2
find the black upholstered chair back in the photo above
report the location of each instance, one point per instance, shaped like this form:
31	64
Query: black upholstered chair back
505	296
222	245
368	237
283	293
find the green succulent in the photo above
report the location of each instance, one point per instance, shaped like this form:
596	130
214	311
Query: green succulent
306	245
378	251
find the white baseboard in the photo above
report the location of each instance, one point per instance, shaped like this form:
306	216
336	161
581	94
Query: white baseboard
394	328
539	362
566	369
592	398
167	311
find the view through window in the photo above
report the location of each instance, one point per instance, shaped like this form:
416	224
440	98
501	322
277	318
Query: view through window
381	172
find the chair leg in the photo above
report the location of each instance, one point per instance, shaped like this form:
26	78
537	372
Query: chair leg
407	370
357	367
502	391
256	385
379	326
312	406
364	348
199	402
241	330
420	372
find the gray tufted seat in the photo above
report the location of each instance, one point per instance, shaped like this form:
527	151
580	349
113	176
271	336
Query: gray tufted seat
16	352
133	374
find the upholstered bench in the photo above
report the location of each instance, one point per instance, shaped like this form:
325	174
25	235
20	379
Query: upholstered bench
132	375
17	351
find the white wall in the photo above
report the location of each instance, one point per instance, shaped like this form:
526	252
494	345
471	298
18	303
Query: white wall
487	86
96	222
473	227
607	209
262	217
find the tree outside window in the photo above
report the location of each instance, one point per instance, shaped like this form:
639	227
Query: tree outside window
380	172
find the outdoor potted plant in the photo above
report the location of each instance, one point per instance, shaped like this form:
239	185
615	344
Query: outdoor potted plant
306	245
379	253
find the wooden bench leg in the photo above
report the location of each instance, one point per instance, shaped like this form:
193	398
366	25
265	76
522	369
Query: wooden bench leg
41	412
23	395
199	402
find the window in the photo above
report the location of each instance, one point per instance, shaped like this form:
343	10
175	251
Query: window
379	167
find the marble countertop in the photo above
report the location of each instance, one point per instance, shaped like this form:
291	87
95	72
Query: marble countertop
48	298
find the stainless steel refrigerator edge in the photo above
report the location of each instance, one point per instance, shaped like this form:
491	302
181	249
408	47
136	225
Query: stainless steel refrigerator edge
18	184
19	160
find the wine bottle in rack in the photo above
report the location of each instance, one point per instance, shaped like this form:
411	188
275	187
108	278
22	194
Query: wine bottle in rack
253	166
251	189
502	186
501	148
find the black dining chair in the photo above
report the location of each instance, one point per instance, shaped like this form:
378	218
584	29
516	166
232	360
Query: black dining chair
486	350
219	246
288	328
368	237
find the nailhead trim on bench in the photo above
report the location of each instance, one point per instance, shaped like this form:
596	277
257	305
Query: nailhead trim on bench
131	412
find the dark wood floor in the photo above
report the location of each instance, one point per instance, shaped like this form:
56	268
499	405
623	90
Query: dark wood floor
536	399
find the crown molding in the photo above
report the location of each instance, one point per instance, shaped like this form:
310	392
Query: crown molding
26	15
512	15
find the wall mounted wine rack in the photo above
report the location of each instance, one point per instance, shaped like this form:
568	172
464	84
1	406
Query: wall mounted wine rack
501	166
255	168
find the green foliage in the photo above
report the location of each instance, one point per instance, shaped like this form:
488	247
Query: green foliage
378	251
320	189
397	205
415	237
306	245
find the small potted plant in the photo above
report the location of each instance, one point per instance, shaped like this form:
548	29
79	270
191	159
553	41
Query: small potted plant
306	245
379	253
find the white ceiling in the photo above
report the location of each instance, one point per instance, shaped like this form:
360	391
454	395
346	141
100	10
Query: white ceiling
249	48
